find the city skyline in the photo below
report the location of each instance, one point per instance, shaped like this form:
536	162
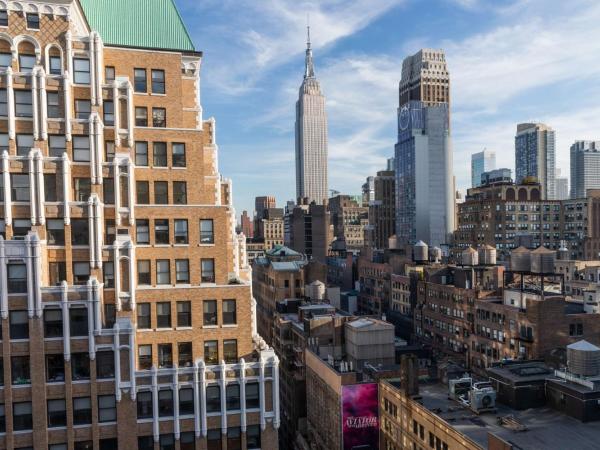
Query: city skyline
487	48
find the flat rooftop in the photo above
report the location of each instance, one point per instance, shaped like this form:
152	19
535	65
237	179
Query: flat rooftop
547	429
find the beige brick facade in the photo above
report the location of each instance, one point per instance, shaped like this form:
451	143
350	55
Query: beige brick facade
125	294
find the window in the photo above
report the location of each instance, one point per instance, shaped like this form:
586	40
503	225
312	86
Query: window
186	401
143	192
24	144
143	316
145	357
184	350
109	73
55	65
141	116
110	315
33	21
166	442
80	234
253	437
83	189
19	324
234	438
187	441
53	105
109	226
57	413
229	312
109	150
2	224
20	228
158	81
146	443
55	368
182	271
2	419
3	142
142	231
139	80
165	356
22	418
159	117
211	352
81	272
143	269
53	326
207	235
82	411
84	445
163	315
165	403
161	231
160	154
210	312
107	408
26	63
57	447
81	71
109	444
208	270
81	149
213	399
17	278
179	155
184	314
83	109
80	366
230	351
57	145
180	192
144	405
3	18
213	439
3	103
141	153
19	187
78	321
109	113
20	370
252	396
105	364
161	192
181	231
232	395
51	193
5	58
108	191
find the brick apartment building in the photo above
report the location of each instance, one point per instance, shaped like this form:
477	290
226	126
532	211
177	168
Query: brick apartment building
125	297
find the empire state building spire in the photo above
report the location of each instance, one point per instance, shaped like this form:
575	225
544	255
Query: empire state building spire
311	136
309	71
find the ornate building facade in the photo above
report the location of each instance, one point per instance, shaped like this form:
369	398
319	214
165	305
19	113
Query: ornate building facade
125	296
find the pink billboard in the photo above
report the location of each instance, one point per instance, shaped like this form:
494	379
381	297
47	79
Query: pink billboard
360	417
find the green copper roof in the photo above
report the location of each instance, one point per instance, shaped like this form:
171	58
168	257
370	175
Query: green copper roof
138	23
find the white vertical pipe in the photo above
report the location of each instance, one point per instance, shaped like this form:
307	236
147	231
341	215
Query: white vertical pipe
3	278
7	193
65	320
66	187
91	231
11	103
67	99
34	103
39	159
32	193
44	104
131	190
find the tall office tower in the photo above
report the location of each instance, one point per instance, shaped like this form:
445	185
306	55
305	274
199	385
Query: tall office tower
562	186
311	137
423	154
247	226
535	156
585	167
382	210
261	204
368	190
125	298
481	162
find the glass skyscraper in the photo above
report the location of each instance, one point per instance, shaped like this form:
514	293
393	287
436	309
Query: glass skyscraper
535	156
481	162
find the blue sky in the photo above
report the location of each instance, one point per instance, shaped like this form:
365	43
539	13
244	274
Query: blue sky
509	62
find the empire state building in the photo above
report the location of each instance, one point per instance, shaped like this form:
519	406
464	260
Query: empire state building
311	136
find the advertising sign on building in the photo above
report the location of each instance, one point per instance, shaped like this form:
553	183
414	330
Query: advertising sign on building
360	417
